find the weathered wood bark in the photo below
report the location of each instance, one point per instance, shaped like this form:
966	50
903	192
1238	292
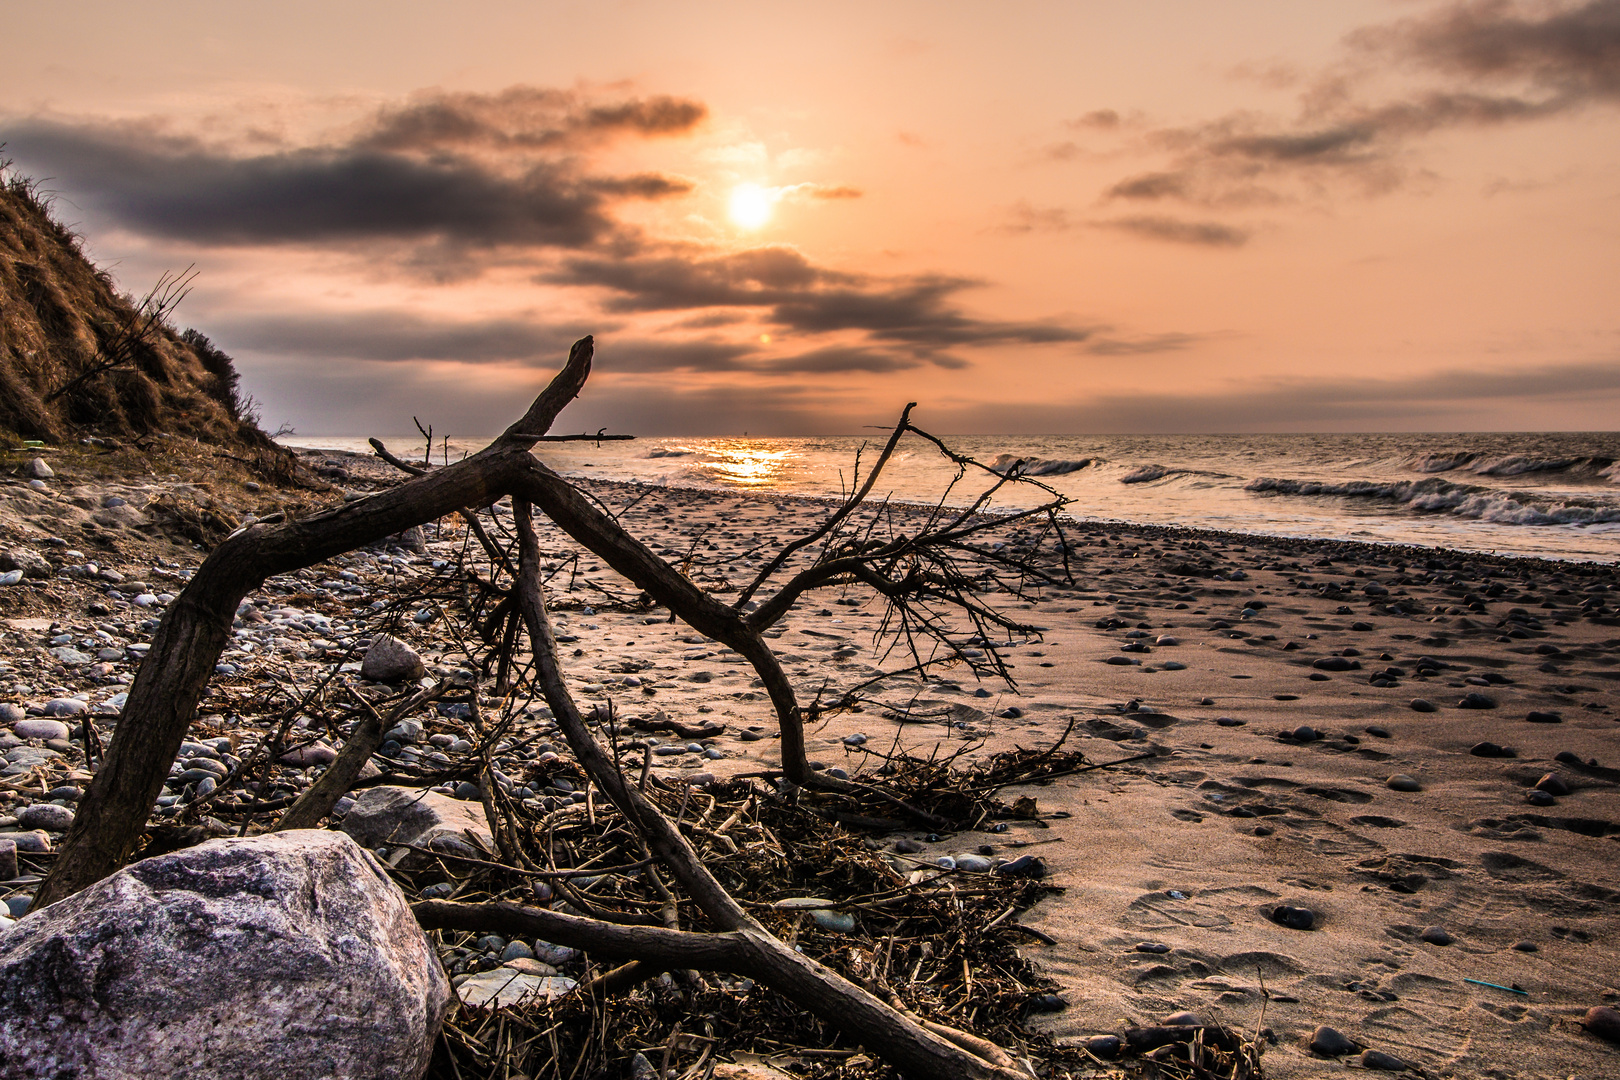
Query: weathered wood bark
742	946
163	698
884	1031
194	631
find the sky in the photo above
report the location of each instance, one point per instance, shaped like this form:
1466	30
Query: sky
792	219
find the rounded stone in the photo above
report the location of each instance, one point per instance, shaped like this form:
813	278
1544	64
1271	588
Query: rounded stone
1402	782
1423	705
1295	918
1331	1043
1106	1047
1603	1022
36	728
1552	784
1377	1059
47	816
1436	935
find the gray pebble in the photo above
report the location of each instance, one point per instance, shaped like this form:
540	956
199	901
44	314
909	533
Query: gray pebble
47	816
36	728
1436	935
1402	782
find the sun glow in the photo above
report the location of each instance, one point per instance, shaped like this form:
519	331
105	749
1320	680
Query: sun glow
751	205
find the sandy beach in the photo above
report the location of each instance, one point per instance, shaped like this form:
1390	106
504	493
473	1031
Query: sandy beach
1175	866
1340	823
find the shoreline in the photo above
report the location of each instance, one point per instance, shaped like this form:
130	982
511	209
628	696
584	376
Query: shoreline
1277	707
1151	529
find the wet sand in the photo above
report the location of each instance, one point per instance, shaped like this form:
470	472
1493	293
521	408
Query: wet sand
1192	852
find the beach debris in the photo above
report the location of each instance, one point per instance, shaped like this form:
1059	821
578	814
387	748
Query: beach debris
1498	986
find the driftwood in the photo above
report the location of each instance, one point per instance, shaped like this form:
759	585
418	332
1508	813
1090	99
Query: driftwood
914	572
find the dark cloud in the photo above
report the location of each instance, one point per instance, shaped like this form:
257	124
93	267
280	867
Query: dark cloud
1156	185
836	359
472	170
1488	63
1569	52
523	118
793	293
1103	119
1202	233
399	336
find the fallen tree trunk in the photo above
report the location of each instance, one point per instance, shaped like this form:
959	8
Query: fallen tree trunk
163	699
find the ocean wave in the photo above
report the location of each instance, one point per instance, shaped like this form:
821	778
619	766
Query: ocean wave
1511	464
659	451
1040	466
1441	496
1146	474
1433	463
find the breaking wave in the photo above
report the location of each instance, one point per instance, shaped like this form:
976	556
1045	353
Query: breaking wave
1034	466
1513	464
1146	474
1441	496
659	451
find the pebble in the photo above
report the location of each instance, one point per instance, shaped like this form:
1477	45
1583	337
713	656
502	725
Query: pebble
8	859
1331	1043
1106	1047
19	905
1377	1059
1402	782
1295	918
974	864
1526	946
66	706
1544	718
1552	784
1603	1022
907	846
1229	721
1491	750
1537	797
1336	663
1476	701
47	816
1152	947
1030	866
1306	733
1436	935
1184	1018
1423	705
40	729
841	922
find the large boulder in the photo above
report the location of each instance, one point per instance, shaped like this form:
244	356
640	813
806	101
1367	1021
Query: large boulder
404	818
287	956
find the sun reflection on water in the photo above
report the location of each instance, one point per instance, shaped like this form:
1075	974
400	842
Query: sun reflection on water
747	463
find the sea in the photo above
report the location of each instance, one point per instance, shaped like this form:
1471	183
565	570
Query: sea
1549	495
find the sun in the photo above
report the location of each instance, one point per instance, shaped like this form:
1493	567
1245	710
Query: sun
751	205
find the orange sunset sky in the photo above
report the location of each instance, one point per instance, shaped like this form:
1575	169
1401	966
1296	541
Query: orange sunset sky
1254	215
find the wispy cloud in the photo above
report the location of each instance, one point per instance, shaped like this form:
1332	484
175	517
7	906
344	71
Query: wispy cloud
1481	64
